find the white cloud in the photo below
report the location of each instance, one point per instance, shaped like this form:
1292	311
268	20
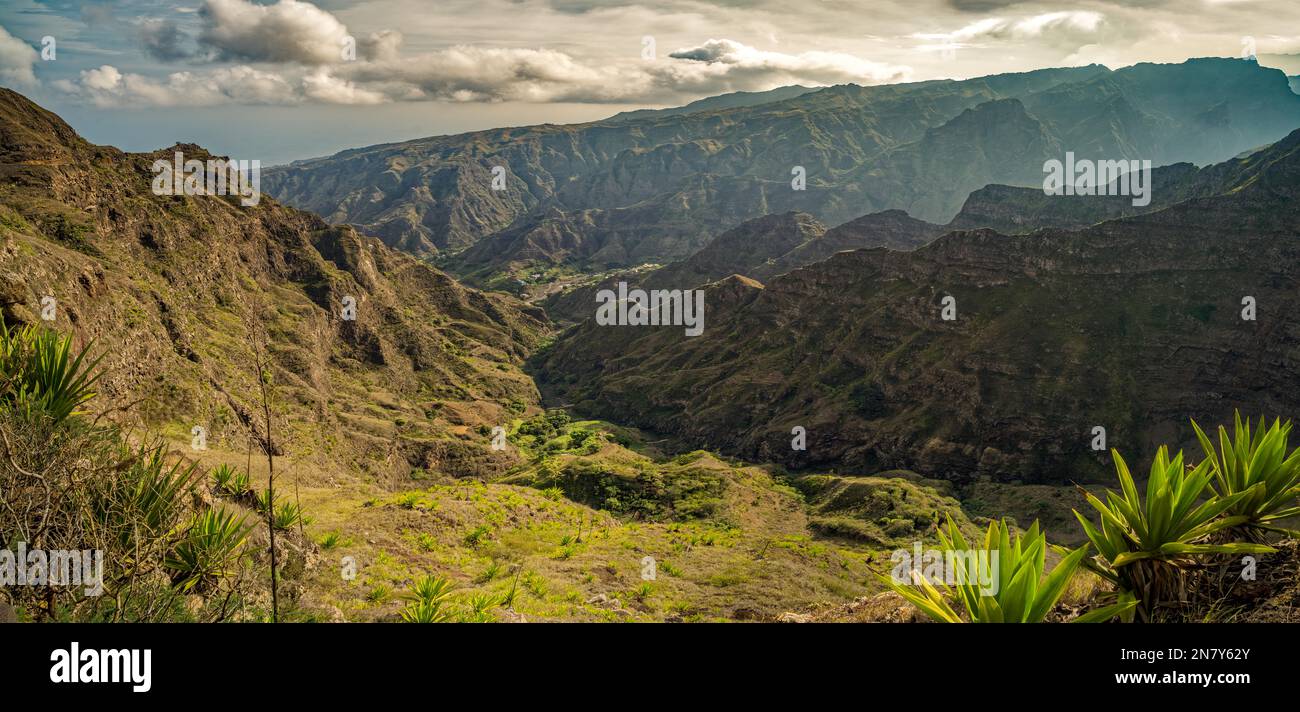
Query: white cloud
107	86
540	75
1076	21
104	79
323	87
462	50
485	74
16	61
495	74
381	46
288	31
297	49
1074	28
816	67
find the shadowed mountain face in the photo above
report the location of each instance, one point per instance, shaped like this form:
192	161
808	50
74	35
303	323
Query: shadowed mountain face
893	229
656	188
172	289
1013	209
760	249
1131	324
766	247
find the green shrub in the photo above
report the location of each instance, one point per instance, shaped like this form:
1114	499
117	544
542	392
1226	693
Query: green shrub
535	584
221	476
557	418
868	399
655	492
150	496
408	500
553	493
263	502
111	495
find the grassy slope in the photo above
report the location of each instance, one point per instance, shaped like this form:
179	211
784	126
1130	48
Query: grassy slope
748	546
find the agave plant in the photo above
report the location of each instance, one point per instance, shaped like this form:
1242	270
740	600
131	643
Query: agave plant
1256	463
263	502
288	515
39	372
239	485
330	540
428	596
222	475
1019	594
158	491
229	481
430	589
421	612
147	498
480	608
1146	546
508	598
211	544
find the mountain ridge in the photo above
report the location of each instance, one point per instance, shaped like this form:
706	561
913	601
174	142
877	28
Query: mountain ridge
700	173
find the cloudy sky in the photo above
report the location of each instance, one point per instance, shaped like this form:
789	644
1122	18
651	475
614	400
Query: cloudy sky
281	80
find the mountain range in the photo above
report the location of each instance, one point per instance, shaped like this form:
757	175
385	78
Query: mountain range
654	187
